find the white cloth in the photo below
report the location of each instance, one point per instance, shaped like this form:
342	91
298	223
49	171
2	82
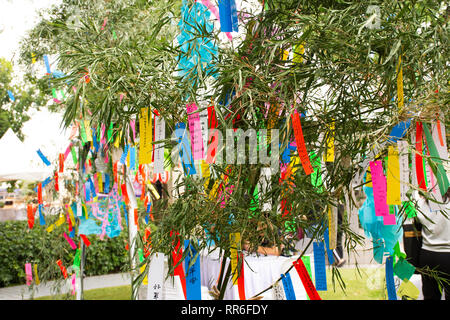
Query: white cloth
260	272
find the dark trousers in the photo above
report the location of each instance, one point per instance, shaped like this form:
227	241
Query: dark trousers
439	261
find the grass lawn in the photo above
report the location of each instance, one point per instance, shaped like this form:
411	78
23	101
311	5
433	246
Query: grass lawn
367	284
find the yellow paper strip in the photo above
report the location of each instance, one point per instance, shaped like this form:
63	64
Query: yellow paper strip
332	226
299	51
60	221
393	177
100	182
235	244
205	173
145	137
400	100
50	228
36	277
87	128
329	157
145	280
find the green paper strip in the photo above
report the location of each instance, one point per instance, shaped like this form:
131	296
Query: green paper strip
74	155
409	209
403	269
439	170
307	261
316	177
83	135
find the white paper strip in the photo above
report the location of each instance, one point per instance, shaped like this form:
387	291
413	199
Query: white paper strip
403	157
155	277
204	127
160	134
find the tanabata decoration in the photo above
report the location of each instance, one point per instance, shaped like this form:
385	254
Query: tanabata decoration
104	217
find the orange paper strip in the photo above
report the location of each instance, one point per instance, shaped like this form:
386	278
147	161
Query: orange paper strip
301	148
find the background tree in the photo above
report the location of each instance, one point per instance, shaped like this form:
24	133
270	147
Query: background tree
123	56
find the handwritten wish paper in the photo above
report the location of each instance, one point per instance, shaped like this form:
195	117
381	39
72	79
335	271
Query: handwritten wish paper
145	137
319	266
155	277
379	188
193	280
306	280
204	128
301	147
403	155
288	288
195	131
160	134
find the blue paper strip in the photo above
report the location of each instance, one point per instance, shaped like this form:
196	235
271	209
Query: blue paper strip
225	16
319	266
106	188
47	64
44	183
327	244
193	285
399	131
390	284
44	159
87	187
123	157
92	187
288	288
133	158
41	215
185	149
11	96
234	18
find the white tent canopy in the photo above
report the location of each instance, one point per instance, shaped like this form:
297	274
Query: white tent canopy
19	162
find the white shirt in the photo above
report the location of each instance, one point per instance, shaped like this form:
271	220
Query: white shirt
435	226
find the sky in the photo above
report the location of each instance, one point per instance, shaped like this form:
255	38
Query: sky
16	18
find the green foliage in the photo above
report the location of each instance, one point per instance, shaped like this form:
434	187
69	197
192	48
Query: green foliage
20	245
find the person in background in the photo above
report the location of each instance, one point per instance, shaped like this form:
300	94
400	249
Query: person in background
435	251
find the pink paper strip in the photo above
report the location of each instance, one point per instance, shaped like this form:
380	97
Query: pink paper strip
133	127
70	241
67	151
379	189
73	283
28	273
195	131
103	138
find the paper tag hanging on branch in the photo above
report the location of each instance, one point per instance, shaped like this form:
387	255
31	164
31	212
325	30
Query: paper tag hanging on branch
403	155
195	131
30	215
288	288
329	155
420	177
319	266
155	277
160	135
184	149
400	99
193	281
393	177
301	148
28	273
228	16
145	136
306	280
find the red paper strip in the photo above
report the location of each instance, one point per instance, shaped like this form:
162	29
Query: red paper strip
306	280
136	218
301	148
441	140
85	240
177	253
147	242
241	282
56	181
39	193
63	269
418	154
124	193
61	162
115	171
30	215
